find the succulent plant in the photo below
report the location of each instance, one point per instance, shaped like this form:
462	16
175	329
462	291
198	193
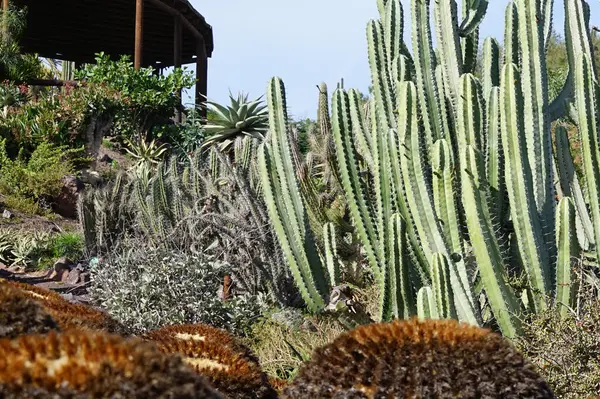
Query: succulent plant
77	364
230	366
241	119
426	359
21	314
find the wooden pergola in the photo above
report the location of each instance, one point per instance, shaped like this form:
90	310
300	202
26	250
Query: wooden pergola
158	33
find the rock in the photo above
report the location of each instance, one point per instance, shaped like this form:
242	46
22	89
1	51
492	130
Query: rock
60	270
16	269
65	203
105	158
85	277
7	214
89	176
73	277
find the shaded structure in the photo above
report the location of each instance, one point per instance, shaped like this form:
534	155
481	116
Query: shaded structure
158	33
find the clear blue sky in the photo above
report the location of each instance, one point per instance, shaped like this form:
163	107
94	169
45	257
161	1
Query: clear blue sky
306	42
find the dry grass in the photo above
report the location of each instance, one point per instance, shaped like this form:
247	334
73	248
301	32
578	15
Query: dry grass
282	350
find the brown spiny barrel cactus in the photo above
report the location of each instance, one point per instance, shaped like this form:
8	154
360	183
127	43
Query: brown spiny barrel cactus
278	384
231	367
22	315
93	364
66	314
418	359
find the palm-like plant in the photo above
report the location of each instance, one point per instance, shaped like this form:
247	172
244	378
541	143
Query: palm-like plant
242	118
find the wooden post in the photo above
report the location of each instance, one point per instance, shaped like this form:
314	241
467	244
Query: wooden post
177	61
139	33
4	22
201	77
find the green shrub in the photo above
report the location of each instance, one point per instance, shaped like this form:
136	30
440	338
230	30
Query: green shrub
147	99
30	181
145	289
69	245
60	117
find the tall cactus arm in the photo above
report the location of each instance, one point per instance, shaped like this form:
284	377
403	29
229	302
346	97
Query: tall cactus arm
280	219
520	187
577	37
586	102
380	77
285	205
546	12
446	23
426	306
421	204
360	131
331	257
491	65
474	16
403	293
444	195
403	207
569	183
425	66
381	7
568	253
353	185
511	35
534	84
470	41
393	29
442	290
495	158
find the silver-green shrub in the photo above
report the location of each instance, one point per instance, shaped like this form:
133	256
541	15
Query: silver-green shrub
145	289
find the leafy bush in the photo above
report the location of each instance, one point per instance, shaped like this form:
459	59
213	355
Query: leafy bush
60	117
184	138
36	179
145	289
567	351
68	244
147	99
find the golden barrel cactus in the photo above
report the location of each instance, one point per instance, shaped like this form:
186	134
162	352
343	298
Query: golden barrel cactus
418	359
88	364
231	367
22	315
66	314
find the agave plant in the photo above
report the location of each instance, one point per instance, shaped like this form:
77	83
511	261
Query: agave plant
241	119
145	153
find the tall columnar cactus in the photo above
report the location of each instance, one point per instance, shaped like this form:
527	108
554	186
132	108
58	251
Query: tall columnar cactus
457	169
284	203
568	254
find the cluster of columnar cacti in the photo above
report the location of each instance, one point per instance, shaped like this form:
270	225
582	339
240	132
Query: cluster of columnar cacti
451	179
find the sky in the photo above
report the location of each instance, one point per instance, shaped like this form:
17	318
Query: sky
305	43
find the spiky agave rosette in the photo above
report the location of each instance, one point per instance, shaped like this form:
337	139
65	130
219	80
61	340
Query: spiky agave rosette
231	367
423	359
22	315
87	364
66	314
